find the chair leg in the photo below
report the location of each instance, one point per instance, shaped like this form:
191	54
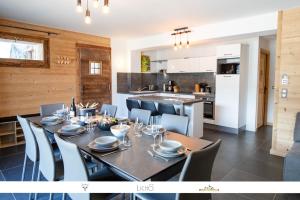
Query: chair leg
38	179
24	167
50	196
63	196
32	176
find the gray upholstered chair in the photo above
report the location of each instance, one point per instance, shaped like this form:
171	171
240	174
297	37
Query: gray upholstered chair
142	115
110	110
31	148
175	123
49	109
197	167
291	166
75	170
50	167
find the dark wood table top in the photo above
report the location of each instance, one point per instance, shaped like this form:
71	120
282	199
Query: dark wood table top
135	162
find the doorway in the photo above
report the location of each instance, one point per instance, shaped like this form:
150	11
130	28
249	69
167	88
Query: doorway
263	87
95	74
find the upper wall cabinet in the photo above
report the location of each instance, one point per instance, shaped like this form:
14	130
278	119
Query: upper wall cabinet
190	65
229	51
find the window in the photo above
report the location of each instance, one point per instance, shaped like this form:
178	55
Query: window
23	51
95	68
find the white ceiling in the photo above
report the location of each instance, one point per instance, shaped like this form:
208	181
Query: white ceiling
134	18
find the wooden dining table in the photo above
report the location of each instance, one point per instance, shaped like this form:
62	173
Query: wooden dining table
134	163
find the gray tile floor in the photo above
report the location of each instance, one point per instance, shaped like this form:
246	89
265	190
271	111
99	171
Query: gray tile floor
243	157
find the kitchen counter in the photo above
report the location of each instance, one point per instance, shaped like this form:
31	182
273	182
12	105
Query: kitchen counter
167	100
167	92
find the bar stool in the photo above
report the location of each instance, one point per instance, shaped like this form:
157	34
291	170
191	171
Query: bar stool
166	109
149	105
130	103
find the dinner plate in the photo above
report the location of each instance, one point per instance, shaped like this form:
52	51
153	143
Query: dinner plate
93	146
71	133
149	131
166	154
70	128
105	141
50	119
48	123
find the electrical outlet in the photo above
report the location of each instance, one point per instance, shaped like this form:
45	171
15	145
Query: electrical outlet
284	93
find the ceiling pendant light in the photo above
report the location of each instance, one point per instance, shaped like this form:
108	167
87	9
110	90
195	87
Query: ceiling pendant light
96	3
87	19
187	40
175	44
79	7
105	8
180	31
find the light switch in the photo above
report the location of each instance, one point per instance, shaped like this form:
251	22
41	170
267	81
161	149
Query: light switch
284	93
284	79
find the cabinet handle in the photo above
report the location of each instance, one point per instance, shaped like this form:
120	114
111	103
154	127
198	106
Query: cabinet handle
181	71
227	76
227	54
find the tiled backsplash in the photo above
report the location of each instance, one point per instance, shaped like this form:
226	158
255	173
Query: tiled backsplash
186	81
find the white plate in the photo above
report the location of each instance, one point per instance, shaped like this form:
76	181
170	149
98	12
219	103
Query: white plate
59	121
50	119
149	131
70	128
163	153
71	133
105	141
170	145
93	146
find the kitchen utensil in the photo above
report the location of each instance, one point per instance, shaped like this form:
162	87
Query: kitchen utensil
151	87
197	87
176	89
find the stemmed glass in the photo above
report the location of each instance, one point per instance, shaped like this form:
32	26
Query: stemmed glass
126	142
137	127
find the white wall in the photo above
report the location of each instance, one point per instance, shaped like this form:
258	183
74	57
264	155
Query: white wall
119	62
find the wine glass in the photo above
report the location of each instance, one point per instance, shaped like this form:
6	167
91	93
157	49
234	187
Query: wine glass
137	127
126	142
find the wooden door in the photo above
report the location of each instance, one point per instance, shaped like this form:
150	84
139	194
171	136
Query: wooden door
95	74
263	88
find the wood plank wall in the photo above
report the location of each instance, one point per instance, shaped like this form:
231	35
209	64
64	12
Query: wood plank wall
23	90
287	62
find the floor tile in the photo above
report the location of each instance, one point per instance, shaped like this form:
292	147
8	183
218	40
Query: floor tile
15	173
14	160
6	197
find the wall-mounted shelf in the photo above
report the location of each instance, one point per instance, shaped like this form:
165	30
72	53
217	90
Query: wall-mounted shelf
11	134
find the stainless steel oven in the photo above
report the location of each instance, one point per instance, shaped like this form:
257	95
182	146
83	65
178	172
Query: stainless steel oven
209	107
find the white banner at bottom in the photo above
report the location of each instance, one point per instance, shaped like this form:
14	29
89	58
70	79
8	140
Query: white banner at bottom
149	187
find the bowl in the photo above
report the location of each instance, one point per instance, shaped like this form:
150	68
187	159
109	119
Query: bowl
119	130
170	145
106	141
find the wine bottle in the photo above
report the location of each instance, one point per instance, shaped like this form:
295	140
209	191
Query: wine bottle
74	106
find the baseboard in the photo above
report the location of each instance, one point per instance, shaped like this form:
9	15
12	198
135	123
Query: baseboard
224	128
276	152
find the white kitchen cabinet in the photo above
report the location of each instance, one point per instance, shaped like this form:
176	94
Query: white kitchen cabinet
229	51
227	100
186	65
192	65
208	64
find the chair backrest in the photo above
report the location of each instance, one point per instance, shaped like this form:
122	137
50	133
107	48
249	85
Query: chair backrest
142	115
47	160
297	128
49	109
110	110
132	104
166	108
31	148
148	105
198	167
74	166
175	123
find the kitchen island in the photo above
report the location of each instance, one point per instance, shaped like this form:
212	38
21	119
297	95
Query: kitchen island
191	107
